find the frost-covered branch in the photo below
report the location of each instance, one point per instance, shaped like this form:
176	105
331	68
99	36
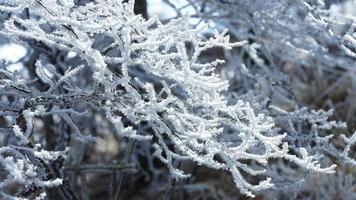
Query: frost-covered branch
140	72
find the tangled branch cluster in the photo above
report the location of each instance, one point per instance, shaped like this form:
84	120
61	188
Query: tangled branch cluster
152	83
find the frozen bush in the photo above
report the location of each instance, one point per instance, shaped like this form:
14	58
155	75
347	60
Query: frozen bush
95	68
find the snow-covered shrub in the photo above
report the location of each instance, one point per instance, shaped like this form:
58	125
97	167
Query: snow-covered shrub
300	59
95	68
